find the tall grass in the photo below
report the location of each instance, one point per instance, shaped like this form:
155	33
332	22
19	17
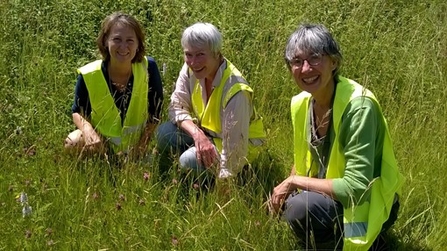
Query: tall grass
398	49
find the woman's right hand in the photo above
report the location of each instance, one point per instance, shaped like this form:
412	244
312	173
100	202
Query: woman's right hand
92	140
205	151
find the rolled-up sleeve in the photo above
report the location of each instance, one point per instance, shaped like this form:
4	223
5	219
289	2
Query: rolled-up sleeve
180	107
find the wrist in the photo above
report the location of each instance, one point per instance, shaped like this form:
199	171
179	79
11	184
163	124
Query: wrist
198	134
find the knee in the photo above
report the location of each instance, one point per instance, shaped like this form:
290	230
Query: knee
164	133
73	140
296	209
188	159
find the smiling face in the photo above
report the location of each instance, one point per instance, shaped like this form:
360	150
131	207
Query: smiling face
316	76
122	43
202	61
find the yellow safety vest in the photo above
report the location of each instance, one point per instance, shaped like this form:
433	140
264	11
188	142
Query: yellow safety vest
209	114
105	116
362	222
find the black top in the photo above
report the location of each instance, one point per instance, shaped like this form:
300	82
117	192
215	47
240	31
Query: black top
82	104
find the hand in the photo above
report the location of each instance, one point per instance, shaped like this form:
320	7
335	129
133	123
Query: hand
92	141
205	151
280	193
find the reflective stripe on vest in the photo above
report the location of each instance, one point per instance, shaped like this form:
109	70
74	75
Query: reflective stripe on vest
209	114
362	222
105	116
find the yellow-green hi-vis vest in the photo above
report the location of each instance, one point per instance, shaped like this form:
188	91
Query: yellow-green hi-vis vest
209	114
105	116
363	222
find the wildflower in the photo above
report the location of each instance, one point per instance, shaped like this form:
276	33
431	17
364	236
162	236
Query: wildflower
118	206
28	234
95	196
18	130
30	151
121	197
50	242
146	176
164	68
23	198
26	210
174	241
142	202
195	186
48	232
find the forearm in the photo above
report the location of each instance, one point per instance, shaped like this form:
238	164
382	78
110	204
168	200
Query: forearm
81	123
323	186
191	129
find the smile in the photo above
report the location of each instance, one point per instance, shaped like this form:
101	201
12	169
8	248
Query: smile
198	70
310	80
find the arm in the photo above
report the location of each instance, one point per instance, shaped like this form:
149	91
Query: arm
359	134
294	182
180	106
81	110
92	141
235	126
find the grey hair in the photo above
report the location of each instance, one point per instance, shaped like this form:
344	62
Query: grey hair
313	38
202	35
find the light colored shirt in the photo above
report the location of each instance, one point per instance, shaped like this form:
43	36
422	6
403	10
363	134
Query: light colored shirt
235	118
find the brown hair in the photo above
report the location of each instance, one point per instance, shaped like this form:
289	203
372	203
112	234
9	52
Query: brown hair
121	18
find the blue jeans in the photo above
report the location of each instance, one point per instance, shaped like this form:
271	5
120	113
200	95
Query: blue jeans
308	212
173	140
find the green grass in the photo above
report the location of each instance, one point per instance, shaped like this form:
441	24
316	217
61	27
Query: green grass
398	49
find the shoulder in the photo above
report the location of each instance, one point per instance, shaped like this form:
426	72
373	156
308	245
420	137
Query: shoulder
361	102
90	67
151	62
363	109
299	98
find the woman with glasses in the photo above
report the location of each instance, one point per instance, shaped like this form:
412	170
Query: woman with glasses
344	185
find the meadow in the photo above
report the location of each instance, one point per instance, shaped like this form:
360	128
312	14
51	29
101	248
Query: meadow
398	49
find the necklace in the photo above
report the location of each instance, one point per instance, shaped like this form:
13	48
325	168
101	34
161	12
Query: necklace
119	87
122	84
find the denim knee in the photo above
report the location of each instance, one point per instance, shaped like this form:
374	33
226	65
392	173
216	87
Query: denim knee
163	134
188	160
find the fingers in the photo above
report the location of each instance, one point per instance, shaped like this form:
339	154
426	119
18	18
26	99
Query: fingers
206	154
207	160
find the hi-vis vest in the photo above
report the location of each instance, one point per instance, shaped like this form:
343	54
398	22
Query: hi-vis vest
209	114
105	116
362	222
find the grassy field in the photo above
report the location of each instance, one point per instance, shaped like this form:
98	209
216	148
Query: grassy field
398	49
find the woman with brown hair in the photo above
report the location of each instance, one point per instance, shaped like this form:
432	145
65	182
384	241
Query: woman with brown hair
117	99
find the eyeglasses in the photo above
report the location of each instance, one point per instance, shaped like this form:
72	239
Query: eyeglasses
313	60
